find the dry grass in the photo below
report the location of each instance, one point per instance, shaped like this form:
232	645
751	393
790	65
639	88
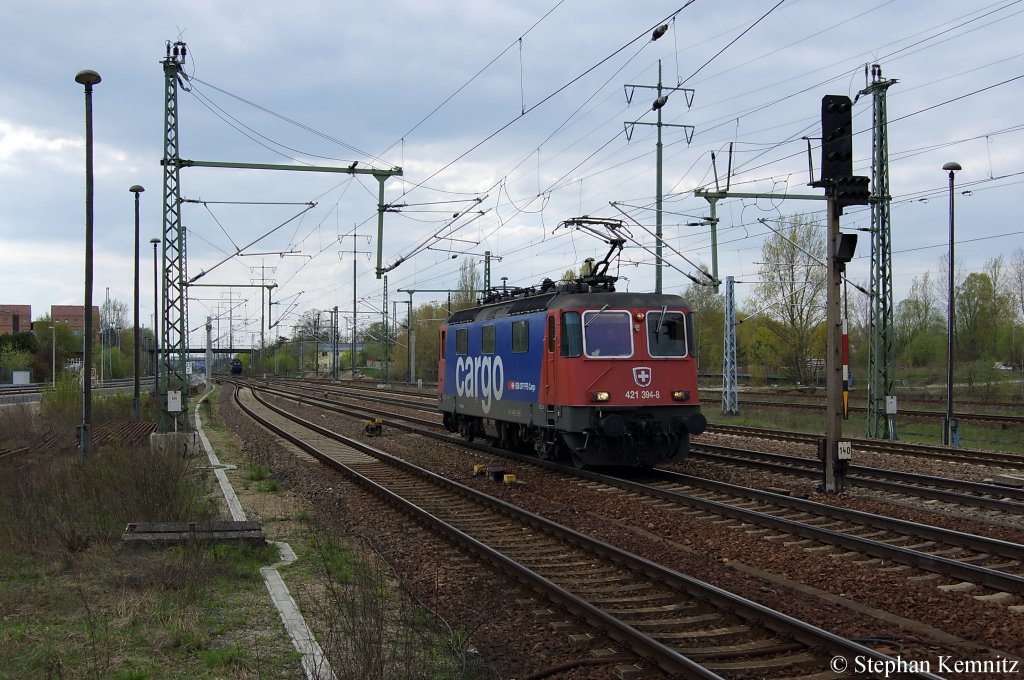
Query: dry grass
79	604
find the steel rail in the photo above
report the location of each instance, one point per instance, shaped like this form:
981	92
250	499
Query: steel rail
874	478
775	621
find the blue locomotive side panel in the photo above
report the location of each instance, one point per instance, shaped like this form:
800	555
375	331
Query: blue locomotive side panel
494	360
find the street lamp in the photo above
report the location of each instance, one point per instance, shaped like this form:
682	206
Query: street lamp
136	189
156	325
87	78
949	427
53	357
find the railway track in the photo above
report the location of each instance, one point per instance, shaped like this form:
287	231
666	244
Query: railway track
20	394
1002	418
968	562
683	625
993	497
972	456
1003	502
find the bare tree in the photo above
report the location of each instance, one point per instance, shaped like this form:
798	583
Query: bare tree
1017	282
469	285
113	320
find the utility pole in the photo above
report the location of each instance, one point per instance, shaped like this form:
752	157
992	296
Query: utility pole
209	354
881	404
384	317
730	391
659	102
175	319
334	343
412	344
354	236
262	284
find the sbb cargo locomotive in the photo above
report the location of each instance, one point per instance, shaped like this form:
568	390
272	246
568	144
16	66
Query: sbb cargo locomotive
574	371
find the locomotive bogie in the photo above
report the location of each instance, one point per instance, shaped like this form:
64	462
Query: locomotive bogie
598	378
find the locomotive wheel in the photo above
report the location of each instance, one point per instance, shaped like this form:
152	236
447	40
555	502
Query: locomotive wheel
467	429
546	452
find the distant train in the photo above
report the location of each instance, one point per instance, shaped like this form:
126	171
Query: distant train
574	371
237	367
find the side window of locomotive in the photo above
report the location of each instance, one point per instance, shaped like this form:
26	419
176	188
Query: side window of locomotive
572	334
520	337
691	342
607	334
487	340
551	334
462	341
666	334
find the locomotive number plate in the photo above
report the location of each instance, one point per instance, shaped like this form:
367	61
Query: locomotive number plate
643	394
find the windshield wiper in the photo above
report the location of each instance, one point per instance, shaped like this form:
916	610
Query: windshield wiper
657	329
591	319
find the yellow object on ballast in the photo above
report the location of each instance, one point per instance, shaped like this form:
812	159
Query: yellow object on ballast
509	479
479	469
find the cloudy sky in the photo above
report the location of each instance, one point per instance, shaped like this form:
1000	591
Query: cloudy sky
505	118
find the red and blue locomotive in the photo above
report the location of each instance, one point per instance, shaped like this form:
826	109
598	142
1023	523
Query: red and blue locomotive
574	371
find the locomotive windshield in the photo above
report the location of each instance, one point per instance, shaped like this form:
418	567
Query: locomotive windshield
607	334
666	333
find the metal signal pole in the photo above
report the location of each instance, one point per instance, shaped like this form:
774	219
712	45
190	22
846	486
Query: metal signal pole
833	362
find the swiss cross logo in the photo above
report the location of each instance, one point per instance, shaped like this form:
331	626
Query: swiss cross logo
642	376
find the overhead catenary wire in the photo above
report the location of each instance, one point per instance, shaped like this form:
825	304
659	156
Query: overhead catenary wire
508	192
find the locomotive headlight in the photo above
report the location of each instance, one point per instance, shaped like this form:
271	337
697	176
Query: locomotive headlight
681	395
600	395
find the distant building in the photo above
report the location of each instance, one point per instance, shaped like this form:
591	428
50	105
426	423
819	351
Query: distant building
73	317
15	319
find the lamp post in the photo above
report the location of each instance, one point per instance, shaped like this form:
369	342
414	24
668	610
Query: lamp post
53	356
947	430
156	325
88	78
136	189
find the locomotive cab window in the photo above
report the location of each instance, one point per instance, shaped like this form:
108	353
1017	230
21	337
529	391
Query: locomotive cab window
607	334
572	334
487	340
666	333
462	341
520	337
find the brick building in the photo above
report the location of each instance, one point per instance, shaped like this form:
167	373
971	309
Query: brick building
72	317
15	318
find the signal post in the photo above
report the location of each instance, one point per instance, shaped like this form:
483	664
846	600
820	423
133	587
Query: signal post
842	189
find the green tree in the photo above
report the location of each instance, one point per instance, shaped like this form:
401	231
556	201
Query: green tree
709	325
979	313
427	319
792	291
919	325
